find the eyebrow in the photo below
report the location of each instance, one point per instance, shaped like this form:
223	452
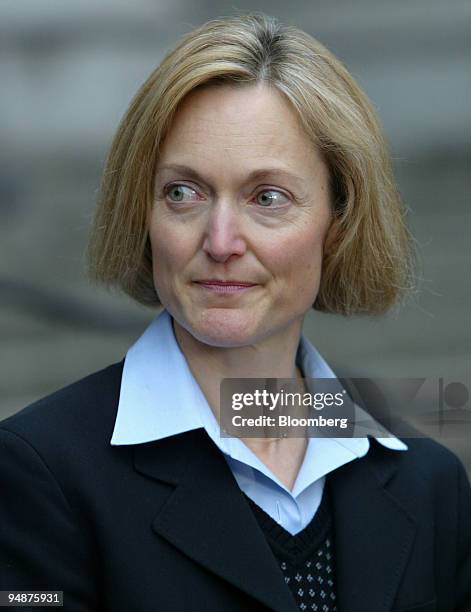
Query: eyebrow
254	175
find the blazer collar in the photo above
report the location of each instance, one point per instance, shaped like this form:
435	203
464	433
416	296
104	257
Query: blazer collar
208	519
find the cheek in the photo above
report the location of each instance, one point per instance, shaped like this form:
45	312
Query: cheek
296	264
167	255
299	258
170	242
307	269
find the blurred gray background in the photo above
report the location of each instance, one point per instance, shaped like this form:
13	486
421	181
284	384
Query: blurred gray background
69	68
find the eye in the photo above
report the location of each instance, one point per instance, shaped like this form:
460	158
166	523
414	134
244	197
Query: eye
176	192
271	198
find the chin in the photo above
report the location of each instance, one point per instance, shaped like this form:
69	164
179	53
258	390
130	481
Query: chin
224	327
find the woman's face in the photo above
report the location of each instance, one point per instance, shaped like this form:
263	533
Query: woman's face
240	196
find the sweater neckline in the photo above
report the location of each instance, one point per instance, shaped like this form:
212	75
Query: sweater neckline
300	545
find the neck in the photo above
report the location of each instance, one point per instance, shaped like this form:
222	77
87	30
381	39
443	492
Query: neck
272	357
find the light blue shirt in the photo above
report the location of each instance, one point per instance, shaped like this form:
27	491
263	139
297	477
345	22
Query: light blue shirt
160	397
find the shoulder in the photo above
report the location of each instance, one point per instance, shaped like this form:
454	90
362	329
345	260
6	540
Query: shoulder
82	411
427	470
428	456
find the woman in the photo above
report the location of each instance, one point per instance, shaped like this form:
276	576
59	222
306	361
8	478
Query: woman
247	182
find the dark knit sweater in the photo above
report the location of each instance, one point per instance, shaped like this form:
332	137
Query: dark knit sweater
306	558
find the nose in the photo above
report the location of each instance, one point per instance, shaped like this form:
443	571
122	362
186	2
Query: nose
223	237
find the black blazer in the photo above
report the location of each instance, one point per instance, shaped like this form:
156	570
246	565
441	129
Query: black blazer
163	526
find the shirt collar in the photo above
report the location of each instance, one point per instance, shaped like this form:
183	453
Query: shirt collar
160	397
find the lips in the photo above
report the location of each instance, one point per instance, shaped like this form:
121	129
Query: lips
227	283
225	287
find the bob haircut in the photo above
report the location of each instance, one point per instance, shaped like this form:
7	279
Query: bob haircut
368	254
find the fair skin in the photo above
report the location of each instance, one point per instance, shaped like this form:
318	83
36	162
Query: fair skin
215	219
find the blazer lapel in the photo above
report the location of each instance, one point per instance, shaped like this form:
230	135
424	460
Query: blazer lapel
373	533
208	519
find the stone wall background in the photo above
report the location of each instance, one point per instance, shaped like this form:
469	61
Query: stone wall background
68	71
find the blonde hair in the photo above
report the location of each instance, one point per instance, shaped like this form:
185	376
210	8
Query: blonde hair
368	256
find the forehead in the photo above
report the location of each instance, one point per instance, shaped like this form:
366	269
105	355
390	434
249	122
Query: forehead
232	103
238	124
